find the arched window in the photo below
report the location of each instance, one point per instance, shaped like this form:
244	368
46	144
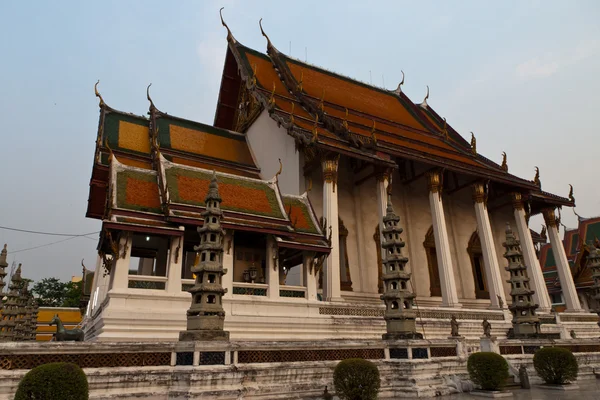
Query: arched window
476	256
345	279
434	273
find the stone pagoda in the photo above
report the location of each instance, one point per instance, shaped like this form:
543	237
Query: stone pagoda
34	317
22	324
525	322
3	265
593	263
206	316
10	311
399	315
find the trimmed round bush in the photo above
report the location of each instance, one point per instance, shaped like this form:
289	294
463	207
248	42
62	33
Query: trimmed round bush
555	365
488	370
356	379
65	381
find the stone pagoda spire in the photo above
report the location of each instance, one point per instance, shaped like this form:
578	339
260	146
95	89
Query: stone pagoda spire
11	308
3	265
593	263
21	327
34	317
27	324
399	315
206	316
525	321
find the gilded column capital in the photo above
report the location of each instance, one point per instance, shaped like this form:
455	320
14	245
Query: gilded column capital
330	168
550	218
383	174
434	181
517	200
479	195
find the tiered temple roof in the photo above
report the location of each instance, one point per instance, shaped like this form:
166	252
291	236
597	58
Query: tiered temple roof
576	243
327	111
152	175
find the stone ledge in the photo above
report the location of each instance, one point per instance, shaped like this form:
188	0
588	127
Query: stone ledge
493	394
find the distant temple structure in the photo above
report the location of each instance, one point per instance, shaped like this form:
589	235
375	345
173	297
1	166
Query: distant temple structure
303	158
577	244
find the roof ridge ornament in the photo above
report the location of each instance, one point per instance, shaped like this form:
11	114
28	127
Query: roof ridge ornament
571	197
399	88
444	128
424	103
230	37
272	98
504	165
322	102
280	170
345	120
300	84
473	144
292	115
152	106
373	133
315	130
269	44
98	95
536	178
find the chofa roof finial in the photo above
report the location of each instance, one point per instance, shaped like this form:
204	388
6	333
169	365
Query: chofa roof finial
269	44
504	165
98	95
424	103
473	144
536	178
280	170
149	99
571	197
399	88
230	37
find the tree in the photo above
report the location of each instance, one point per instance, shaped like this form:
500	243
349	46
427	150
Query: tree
50	292
72	294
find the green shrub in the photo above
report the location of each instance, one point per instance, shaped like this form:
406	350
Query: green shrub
488	370
356	379
555	365
65	381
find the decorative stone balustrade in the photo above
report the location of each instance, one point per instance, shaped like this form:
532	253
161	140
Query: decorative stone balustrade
147	282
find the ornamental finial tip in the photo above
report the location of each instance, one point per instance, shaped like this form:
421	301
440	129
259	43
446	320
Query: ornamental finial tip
269	44
98	95
229	35
148	97
399	88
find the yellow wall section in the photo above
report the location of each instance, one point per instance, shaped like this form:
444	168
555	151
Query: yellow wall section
214	146
134	137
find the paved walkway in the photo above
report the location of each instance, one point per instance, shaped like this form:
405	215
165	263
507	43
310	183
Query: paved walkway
588	390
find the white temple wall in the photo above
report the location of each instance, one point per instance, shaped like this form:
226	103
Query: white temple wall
369	221
347	213
417	221
270	143
462	222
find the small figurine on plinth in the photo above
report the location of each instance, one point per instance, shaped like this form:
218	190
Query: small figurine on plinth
524	377
573	334
487	328
500	302
454	327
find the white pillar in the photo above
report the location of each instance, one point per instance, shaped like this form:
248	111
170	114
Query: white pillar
120	267
174	267
228	260
331	276
383	178
272	268
310	276
534	271
490	259
442	245
562	264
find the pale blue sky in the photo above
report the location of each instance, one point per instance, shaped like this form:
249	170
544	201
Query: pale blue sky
521	74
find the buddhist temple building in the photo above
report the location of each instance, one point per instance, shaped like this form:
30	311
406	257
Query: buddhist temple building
304	159
577	244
